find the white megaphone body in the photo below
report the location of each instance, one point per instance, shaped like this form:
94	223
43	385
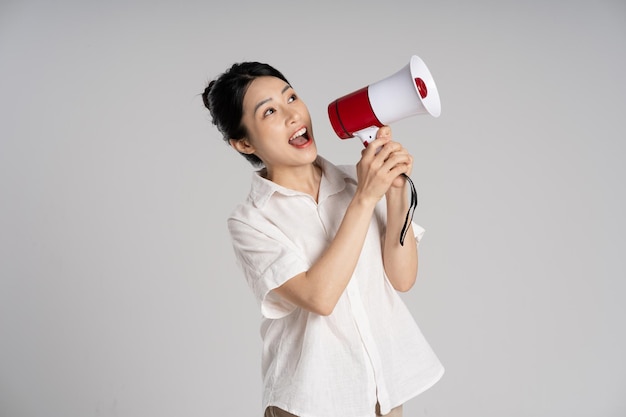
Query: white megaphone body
409	92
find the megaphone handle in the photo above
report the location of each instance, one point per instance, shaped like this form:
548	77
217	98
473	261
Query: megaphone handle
369	134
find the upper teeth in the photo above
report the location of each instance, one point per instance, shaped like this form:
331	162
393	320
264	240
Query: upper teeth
298	133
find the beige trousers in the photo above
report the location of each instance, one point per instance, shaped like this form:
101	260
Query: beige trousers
272	411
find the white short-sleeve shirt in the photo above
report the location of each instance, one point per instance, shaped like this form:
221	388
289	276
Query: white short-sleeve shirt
369	349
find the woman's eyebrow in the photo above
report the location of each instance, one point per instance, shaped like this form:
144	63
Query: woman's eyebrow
262	102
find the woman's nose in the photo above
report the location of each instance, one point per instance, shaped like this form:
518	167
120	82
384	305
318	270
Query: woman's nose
292	115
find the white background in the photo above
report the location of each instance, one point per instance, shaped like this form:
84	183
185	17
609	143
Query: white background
119	294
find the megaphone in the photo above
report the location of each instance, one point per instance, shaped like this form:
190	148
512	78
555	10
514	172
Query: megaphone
410	91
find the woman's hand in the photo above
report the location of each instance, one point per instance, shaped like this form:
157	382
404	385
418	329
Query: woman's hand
381	165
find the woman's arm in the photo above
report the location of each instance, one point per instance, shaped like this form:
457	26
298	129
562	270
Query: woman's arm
400	261
319	289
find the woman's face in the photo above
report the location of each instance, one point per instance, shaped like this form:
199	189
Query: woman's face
278	125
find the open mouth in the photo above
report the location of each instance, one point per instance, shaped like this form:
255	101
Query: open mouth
300	139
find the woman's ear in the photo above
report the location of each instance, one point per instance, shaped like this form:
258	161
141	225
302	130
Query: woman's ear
242	145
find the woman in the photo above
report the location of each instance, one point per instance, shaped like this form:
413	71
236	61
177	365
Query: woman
319	247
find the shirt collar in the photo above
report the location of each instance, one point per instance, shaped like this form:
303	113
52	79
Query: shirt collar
333	181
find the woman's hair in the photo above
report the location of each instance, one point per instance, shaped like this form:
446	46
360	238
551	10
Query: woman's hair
224	99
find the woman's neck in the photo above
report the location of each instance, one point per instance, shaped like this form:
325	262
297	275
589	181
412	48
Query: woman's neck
305	179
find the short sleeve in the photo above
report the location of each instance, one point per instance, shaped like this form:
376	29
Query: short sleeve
418	231
268	260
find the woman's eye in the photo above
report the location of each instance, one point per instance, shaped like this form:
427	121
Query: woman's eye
292	98
268	112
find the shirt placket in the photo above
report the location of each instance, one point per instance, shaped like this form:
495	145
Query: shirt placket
363	326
